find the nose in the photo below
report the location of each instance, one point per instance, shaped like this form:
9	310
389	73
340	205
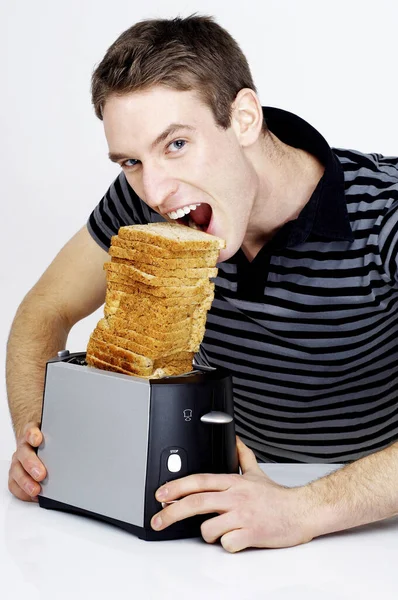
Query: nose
157	185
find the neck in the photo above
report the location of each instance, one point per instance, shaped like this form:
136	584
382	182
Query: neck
287	178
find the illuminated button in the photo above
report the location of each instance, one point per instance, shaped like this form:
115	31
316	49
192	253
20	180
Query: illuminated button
174	463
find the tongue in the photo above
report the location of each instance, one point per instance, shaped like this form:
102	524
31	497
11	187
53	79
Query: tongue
201	215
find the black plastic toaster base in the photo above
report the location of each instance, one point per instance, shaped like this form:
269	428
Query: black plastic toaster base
189	529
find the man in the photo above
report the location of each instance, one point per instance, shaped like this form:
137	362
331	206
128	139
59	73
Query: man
304	312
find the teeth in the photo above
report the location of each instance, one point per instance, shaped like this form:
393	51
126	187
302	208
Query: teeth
181	212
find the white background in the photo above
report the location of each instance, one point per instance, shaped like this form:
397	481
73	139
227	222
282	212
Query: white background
333	63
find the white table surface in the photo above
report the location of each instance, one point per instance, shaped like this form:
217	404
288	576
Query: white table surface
49	555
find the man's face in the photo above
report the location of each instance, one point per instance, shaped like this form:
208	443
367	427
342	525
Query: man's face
175	157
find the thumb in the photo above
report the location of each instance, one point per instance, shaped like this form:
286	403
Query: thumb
247	458
33	434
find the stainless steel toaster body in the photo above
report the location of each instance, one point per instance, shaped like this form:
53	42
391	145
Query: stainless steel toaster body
110	440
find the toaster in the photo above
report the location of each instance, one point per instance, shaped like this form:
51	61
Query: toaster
111	440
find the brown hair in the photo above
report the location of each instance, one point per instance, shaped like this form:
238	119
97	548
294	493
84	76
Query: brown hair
192	53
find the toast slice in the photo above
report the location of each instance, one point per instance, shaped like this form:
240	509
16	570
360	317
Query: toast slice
151	329
93	361
128	361
124	284
181	273
156	310
163	328
142	322
149	250
170	371
146	256
134	274
176	357
165	346
113	337
171	236
136	295
168	316
167	370
137	361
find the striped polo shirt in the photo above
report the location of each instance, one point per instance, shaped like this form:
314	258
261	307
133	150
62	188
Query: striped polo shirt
309	328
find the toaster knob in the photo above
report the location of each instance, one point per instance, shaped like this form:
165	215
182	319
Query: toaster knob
174	463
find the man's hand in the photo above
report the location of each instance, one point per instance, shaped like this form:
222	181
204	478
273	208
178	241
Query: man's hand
26	469
254	511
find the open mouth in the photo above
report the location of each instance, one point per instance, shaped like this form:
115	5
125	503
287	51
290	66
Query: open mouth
198	216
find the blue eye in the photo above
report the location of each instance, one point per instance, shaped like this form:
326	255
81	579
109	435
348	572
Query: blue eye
178	145
129	160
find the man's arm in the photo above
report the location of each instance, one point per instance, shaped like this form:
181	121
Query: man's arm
361	492
254	511
71	288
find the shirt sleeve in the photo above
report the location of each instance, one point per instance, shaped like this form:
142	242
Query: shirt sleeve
120	206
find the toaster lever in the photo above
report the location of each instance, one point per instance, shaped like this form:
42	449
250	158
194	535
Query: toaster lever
216	417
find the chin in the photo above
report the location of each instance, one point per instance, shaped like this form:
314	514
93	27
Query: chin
229	251
217	227
224	255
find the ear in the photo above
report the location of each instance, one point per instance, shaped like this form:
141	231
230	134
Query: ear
247	117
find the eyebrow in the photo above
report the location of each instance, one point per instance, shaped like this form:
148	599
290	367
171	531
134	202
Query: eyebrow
170	130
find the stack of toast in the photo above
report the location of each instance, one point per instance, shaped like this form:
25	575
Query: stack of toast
158	295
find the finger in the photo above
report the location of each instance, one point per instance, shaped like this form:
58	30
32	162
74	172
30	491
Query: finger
18	492
214	528
195	504
30	462
23	480
192	484
21	435
33	436
247	458
236	540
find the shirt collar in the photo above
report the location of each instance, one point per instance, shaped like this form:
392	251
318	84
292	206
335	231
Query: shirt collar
325	214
